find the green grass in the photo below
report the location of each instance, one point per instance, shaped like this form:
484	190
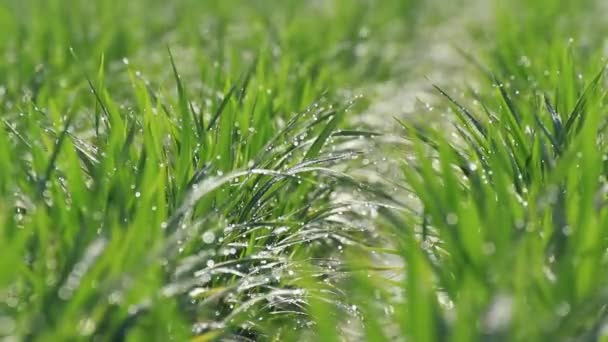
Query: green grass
505	239
191	170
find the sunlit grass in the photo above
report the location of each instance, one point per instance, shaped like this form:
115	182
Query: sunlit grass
191	170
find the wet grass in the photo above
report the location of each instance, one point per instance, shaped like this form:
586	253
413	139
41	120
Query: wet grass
191	170
504	237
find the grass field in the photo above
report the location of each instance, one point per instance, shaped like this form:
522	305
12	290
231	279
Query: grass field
303	170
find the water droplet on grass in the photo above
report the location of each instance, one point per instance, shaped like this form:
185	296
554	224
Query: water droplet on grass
563	309
451	219
208	237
